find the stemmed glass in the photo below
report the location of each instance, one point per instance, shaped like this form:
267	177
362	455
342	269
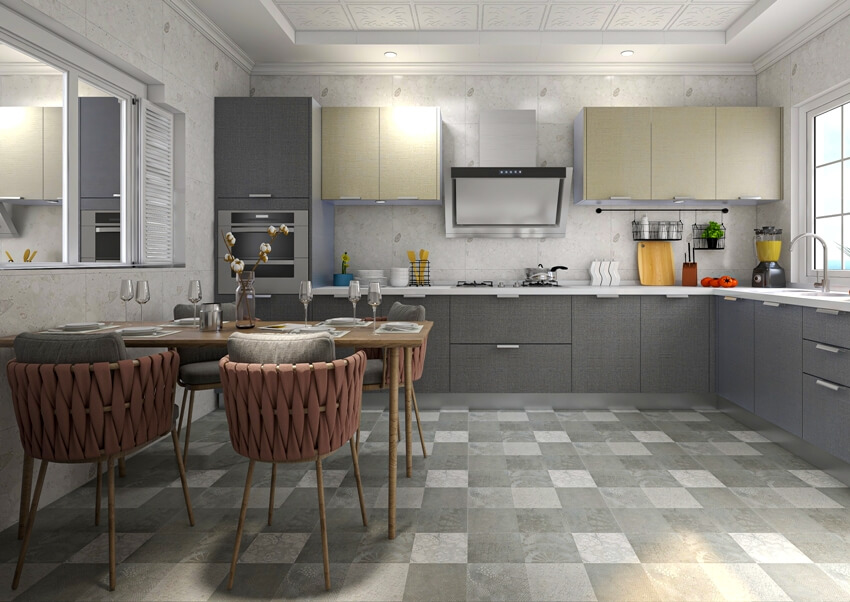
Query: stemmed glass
305	295
126	294
374	299
194	297
354	295
143	295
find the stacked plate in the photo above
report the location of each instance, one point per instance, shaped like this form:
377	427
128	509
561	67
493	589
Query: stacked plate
367	276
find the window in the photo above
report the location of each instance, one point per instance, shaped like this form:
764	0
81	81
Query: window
829	183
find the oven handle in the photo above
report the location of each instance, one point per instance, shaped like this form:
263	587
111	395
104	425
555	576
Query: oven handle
254	227
105	230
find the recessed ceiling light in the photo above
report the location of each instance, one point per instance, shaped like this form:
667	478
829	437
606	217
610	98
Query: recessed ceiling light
627	53
390	54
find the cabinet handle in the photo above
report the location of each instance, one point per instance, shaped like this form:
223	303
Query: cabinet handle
607	296
771	304
619	198
413	296
261	216
749	198
730	298
345	296
507	346
507	296
262	296
107	230
407	198
11	198
827	385
829	348
349	198
829	312
683	198
677	296
263	195
116	195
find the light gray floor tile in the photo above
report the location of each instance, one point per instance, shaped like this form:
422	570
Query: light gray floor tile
549	547
375	582
625	497
652	436
611	581
439	548
592	416
769	548
839	572
497	582
330	478
530	478
405	497
806	497
761	497
685	582
535	497
605	548
641	520
661	547
628	449
559	582
671	497
749	437
736	449
744	582
714	548
571	478
521	449
551	437
490	497
189	581
805	582
451	437
447	478
817	478
696	478
511	416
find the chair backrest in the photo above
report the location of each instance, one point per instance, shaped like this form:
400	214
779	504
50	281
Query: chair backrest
72	412
66	348
203	353
400	312
281	408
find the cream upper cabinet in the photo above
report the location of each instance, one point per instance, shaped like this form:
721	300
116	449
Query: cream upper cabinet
410	153
350	164
616	152
21	152
749	152
683	151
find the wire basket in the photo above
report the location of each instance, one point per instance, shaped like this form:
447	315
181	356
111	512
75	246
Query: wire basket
708	244
657	230
419	273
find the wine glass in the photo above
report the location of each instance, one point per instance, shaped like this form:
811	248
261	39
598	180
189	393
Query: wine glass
194	296
354	295
305	295
126	294
143	295
374	299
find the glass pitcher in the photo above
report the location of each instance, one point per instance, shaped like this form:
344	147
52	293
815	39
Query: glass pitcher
768	243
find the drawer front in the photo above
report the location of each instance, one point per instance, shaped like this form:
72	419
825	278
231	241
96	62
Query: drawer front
825	326
523	319
826	416
511	368
606	345
827	362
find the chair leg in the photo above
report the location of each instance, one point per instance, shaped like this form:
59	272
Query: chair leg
418	421
122	467
26	491
271	492
182	411
110	493
42	470
325	557
98	492
182	470
188	427
357	443
245	495
355	459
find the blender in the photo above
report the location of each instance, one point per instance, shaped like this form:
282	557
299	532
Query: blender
768	273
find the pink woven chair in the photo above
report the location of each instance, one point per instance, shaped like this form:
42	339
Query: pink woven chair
288	400
90	412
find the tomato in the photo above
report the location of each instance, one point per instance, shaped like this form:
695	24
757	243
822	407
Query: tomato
726	282
706	281
734	282
715	282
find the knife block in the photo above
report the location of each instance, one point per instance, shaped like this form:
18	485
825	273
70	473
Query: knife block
689	274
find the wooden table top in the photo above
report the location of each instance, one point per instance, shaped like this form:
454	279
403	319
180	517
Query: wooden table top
361	336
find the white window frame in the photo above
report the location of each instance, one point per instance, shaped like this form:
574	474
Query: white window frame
803	141
76	63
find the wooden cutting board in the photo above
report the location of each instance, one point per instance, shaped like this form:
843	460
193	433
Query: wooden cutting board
655	263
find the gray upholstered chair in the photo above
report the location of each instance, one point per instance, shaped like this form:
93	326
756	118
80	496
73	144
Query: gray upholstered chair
198	369
288	400
78	398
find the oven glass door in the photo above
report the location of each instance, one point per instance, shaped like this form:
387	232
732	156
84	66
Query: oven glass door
248	241
107	243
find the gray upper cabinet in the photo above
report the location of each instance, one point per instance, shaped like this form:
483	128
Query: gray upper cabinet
735	379
778	365
606	345
674	344
100	148
263	147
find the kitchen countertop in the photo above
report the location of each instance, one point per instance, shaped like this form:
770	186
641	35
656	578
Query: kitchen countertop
801	297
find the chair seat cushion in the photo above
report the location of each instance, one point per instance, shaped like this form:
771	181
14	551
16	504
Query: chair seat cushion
200	373
374	374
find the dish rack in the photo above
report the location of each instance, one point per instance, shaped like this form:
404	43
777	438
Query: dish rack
657	230
419	273
703	243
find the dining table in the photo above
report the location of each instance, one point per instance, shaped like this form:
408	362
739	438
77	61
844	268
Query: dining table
360	337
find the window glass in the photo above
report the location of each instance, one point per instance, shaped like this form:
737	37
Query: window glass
31	158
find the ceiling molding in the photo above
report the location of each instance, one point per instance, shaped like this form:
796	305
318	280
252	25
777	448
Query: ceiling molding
212	32
810	30
28	68
503	69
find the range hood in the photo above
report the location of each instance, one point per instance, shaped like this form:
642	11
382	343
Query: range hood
508	197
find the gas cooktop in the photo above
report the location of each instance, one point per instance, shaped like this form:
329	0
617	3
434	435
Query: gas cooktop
474	283
535	283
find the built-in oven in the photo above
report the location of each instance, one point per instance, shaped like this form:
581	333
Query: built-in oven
288	262
100	235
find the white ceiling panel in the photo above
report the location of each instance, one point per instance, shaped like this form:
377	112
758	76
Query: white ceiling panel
712	17
382	17
513	17
643	17
578	17
447	17
316	17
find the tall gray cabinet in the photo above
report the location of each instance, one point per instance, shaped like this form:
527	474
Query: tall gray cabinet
778	364
735	379
100	149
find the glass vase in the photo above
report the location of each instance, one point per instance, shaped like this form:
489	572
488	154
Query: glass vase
245	300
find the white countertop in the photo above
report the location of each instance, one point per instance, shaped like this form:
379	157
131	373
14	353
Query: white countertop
801	297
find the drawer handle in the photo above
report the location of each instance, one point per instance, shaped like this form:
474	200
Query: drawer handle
827	385
730	298
414	296
771	304
677	296
349	198
607	296
507	296
263	195
829	348
830	312
619	198
262	296
507	346
408	198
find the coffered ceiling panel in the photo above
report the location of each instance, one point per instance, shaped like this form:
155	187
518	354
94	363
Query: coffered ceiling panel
382	17
643	17
447	17
708	17
578	17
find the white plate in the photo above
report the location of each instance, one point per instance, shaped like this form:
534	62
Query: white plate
345	322
316	328
139	330
410	325
74	326
186	321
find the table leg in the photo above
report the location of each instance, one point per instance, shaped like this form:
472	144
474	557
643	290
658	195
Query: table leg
393	445
408	399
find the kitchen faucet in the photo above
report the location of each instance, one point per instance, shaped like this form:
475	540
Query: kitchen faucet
824	284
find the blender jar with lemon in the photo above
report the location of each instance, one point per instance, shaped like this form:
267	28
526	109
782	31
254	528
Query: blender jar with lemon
768	244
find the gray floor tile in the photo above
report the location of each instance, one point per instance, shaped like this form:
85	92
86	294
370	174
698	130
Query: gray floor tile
497	582
427	582
491	548
681	581
804	582
558	581
612	581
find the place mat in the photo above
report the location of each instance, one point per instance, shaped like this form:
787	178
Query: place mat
399	328
100	328
299	328
153	335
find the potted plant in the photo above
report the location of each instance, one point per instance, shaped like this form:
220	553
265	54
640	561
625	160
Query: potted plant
343	278
712	233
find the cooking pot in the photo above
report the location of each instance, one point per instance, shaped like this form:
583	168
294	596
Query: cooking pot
541	274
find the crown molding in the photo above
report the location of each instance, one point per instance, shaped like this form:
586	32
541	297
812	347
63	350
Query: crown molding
212	32
503	69
807	32
28	68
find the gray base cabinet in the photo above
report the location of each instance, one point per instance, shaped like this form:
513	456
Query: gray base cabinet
674	344
826	416
510	368
606	345
778	365
522	319
735	379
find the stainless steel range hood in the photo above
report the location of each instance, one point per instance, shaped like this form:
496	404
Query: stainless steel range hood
508	197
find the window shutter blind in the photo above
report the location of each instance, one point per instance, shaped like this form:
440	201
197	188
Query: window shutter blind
157	184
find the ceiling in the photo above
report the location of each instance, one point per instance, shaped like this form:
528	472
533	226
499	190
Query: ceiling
316	36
